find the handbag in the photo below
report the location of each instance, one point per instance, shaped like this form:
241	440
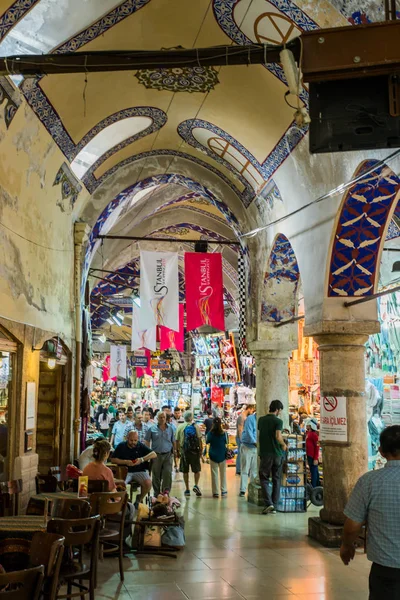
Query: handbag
174	537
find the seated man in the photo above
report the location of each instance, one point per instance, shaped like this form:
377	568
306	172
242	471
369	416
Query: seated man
135	455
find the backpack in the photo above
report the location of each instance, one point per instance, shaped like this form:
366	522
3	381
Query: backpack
191	442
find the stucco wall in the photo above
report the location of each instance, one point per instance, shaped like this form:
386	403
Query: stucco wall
36	240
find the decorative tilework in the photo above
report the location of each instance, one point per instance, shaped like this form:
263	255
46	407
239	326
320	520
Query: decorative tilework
157	115
10	98
174	153
223	11
185	130
280	282
268	198
393	229
185	79
118	14
70	186
43	109
358	238
360	11
13	14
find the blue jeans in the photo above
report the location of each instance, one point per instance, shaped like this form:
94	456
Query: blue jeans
239	443
314	472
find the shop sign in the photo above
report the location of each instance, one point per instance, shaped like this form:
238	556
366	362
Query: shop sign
333	425
160	364
139	359
59	349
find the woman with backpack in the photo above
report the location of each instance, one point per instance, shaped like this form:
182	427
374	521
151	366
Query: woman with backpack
217	439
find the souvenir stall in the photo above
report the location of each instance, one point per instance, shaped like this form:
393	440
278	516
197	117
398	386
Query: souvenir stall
383	374
304	391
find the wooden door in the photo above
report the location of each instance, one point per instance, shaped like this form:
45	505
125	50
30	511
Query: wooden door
49	414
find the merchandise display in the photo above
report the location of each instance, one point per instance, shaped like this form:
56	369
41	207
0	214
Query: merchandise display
293	483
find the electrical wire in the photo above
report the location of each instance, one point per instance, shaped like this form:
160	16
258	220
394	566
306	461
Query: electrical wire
33	242
340	188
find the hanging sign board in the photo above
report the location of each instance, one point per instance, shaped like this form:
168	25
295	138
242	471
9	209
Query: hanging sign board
333	426
139	359
160	364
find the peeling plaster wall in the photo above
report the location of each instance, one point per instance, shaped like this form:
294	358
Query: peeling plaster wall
36	239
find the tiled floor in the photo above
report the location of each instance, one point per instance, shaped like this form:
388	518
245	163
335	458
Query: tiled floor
233	552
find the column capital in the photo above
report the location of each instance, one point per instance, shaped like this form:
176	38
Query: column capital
342	328
81	233
264	349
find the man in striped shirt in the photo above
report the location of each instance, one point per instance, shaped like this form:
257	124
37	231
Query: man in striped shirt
375	501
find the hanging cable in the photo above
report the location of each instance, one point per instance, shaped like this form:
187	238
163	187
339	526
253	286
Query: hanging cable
340	188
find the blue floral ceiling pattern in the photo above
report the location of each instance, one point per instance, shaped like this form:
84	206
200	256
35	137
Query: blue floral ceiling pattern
360	231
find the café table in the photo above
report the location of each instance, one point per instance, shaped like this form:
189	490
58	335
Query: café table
22	526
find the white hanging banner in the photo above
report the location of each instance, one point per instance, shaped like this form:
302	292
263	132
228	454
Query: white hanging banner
159	289
141	337
118	362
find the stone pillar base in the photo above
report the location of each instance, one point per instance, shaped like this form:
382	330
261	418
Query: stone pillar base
326	534
254	494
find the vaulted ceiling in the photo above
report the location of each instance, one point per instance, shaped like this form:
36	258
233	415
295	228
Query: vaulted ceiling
178	153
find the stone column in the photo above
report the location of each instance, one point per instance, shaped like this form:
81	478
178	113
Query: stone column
272	381
342	373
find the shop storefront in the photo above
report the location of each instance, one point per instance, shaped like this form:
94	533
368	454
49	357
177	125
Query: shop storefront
8	354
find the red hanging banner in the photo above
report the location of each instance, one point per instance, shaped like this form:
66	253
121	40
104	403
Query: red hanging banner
173	339
204	290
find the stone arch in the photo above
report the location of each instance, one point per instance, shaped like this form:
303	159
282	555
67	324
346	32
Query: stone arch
281	283
361	229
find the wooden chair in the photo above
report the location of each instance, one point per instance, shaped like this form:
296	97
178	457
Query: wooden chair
35	507
59	474
46	484
94	485
14	554
111	504
21	585
47	550
70	508
78	533
9	497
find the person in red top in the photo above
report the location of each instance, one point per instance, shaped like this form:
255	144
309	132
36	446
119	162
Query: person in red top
312	450
97	469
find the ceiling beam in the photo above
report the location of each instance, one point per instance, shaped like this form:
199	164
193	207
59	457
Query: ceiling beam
170	240
134	60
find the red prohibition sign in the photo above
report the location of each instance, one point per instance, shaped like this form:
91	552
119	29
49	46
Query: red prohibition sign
330	403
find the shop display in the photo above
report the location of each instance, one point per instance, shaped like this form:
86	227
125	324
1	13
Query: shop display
293	483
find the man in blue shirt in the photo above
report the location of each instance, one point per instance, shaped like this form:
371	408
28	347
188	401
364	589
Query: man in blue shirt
248	449
375	501
118	430
161	436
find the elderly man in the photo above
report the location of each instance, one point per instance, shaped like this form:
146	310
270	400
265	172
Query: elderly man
136	456
161	437
139	426
189	447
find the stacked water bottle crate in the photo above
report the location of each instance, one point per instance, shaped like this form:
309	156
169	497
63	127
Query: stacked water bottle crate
293	483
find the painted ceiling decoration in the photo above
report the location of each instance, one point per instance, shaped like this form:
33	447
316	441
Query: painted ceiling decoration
281	283
126	196
185	79
360	12
14	14
70	187
265	19
360	231
157	117
10	100
92	184
223	148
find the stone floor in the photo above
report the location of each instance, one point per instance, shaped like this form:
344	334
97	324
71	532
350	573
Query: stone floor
233	552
